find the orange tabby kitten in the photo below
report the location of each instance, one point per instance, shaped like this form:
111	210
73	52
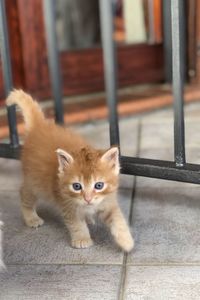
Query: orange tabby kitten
60	166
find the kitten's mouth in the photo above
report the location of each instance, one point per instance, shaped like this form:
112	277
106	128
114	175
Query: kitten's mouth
88	203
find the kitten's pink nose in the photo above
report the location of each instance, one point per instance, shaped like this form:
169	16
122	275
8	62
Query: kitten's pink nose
87	199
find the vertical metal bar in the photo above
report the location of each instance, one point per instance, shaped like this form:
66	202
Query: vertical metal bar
110	69
167	39
7	74
177	63
53	57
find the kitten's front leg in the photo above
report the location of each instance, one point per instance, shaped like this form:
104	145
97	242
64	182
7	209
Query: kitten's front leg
114	219
79	232
80	236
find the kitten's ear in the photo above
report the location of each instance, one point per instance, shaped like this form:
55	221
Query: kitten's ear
64	159
112	157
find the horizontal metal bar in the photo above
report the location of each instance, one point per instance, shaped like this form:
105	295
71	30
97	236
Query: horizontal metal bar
160	169
7	151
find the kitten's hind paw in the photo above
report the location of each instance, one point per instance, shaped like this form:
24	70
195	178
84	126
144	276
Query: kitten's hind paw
34	222
82	243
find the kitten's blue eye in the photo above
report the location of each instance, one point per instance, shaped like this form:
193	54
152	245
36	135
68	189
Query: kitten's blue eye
99	185
77	186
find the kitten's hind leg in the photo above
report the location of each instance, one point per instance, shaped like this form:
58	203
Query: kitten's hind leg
28	201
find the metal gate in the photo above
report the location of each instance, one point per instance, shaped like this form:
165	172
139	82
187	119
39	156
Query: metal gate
178	169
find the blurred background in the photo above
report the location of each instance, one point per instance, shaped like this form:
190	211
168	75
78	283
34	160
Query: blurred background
143	41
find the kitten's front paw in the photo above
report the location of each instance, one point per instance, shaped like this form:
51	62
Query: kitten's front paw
34	222
125	241
82	243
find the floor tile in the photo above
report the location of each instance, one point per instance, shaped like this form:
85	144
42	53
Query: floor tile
192	134
156	116
156	135
160	153
10	174
129	136
1	245
129	146
192	111
147	182
50	243
193	155
167	153
95	133
159	124
162	283
166	225
60	282
160	133
98	135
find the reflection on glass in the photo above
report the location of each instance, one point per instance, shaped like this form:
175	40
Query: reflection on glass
78	22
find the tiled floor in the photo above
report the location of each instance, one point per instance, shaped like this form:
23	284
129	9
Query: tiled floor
164	218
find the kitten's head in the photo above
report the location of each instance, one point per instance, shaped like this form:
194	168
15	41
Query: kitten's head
88	175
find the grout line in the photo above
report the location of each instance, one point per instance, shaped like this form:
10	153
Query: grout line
163	264
65	264
124	266
145	265
123	278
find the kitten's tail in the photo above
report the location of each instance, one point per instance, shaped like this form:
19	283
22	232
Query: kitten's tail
32	113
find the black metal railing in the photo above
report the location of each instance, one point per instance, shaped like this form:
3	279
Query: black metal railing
178	169
12	149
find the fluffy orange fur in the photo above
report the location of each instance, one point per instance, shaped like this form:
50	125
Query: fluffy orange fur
61	166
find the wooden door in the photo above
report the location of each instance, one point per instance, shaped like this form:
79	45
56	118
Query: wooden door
13	24
82	69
